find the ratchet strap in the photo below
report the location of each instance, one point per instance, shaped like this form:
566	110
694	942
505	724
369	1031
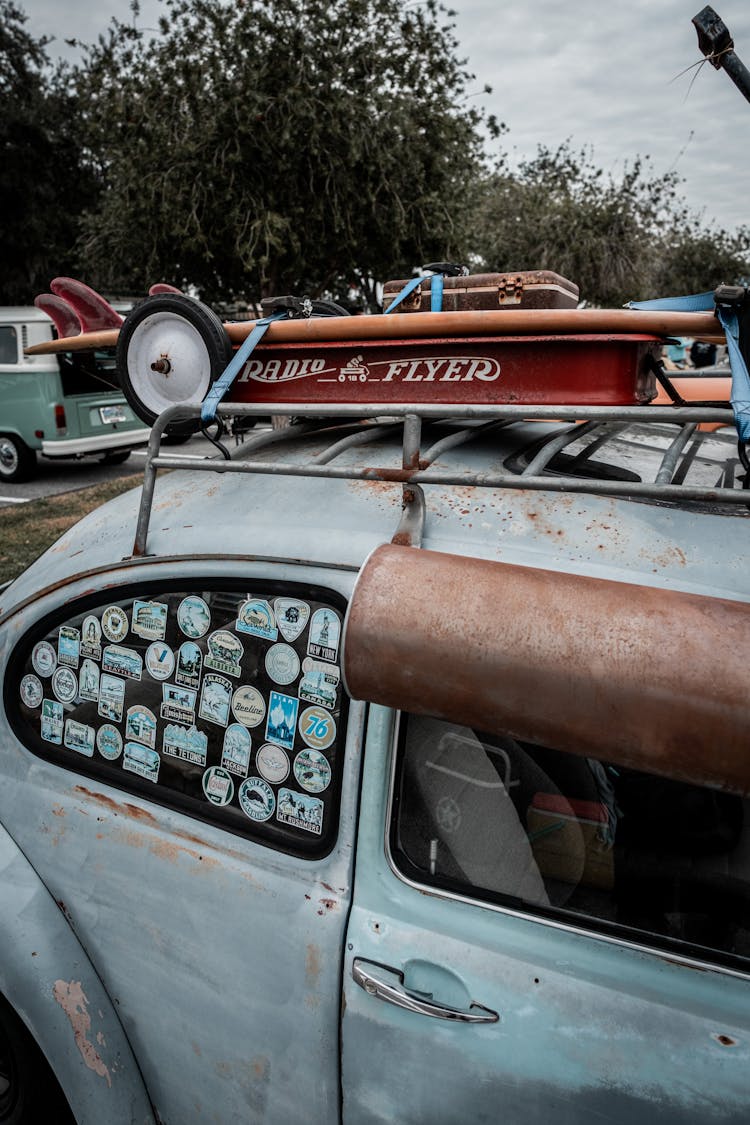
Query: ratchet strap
439	271
730	303
229	374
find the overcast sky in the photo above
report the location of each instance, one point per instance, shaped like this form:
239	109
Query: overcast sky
603	73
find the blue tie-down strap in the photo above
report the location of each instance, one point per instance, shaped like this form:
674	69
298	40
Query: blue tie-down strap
730	322
405	292
229	374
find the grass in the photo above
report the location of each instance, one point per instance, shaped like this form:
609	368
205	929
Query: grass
28	529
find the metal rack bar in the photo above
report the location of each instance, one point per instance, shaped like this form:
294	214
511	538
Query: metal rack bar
415	472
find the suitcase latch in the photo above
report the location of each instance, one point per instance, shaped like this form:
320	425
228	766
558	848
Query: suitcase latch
510	290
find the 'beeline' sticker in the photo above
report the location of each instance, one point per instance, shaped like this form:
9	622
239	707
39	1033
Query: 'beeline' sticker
248	706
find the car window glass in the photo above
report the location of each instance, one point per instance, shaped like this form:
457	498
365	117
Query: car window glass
537	829
8	344
224	703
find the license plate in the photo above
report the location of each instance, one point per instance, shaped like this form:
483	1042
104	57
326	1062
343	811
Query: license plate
112	414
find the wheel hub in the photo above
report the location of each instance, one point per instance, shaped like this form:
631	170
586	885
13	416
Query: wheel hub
8	456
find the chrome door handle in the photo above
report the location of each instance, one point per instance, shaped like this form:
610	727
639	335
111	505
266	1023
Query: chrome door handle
363	975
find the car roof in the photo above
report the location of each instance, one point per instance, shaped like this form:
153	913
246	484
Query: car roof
335	522
11	314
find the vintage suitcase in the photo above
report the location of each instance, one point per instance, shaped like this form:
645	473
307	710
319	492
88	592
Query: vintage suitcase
529	289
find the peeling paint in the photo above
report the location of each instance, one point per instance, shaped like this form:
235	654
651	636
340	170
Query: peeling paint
72	999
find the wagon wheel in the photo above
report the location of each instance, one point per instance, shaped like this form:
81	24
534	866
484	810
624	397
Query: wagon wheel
170	350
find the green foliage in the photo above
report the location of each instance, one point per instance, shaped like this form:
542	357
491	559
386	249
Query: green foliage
274	146
43	183
618	239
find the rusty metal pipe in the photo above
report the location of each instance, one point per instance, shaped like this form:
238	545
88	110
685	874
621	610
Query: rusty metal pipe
411	326
653	679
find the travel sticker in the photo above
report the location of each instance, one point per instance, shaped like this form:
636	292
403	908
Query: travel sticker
52	721
272	763
68	646
325	630
141	760
178	704
225	653
109	742
317	727
282	719
248	706
122	661
298	810
193	616
140	725
159	661
235	754
189	664
291	617
189	745
319	682
43	658
111	697
312	770
256	617
89	681
282	664
115	623
32	691
256	799
218	785
65	684
79	737
216	695
91	638
149	620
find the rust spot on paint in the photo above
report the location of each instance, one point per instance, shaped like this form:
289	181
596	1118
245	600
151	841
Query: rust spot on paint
72	999
58	810
326	904
725	1040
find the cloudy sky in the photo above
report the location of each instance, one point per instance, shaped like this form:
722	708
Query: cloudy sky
602	74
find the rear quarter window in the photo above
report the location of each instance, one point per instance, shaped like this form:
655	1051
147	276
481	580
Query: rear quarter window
223	702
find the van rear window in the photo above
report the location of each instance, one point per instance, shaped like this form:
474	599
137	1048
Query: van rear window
84	373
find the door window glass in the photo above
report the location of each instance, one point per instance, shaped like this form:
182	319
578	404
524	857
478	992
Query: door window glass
537	829
8	344
225	703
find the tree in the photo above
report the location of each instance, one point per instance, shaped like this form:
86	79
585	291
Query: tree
44	184
618	239
273	146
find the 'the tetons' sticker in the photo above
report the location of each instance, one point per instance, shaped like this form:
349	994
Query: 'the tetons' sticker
291	617
190	745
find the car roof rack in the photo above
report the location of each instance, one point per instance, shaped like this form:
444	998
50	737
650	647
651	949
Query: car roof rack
598	424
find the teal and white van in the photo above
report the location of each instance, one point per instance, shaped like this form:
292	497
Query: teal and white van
60	406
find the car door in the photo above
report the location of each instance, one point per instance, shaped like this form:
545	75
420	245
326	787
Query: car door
175	772
536	938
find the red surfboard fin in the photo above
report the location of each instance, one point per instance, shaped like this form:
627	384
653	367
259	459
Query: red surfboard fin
62	315
94	313
162	287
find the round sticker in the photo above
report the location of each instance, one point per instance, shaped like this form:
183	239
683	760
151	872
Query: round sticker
32	691
109	741
193	616
282	663
312	770
317	727
256	799
248	706
218	785
44	658
65	685
159	660
272	763
114	623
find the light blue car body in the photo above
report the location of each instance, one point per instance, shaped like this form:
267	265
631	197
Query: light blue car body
217	971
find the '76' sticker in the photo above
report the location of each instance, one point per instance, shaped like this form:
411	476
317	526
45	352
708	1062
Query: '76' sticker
317	727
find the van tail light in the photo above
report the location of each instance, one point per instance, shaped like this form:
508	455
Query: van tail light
61	423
